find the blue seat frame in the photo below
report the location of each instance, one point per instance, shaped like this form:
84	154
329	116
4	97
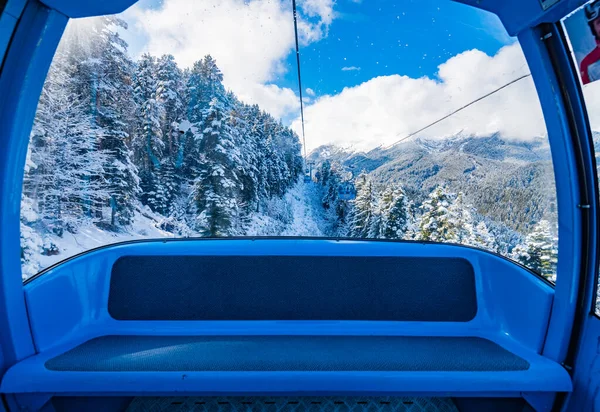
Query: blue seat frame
513	310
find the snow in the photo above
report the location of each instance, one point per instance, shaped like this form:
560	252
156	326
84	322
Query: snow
306	210
299	213
91	236
184	126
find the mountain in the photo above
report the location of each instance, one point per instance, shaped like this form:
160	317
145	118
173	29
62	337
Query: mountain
507	181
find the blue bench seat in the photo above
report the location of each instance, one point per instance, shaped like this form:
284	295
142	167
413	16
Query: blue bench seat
288	364
310	318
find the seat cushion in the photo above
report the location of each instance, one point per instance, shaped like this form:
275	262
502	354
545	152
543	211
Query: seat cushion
286	353
361	288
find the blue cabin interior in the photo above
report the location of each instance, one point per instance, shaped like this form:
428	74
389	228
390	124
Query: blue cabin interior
300	324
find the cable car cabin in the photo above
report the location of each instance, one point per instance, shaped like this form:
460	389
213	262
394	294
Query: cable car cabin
346	191
427	296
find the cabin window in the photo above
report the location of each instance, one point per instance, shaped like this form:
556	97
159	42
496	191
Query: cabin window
584	42
422	123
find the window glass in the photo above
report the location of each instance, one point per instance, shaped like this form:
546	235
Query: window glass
583	28
182	119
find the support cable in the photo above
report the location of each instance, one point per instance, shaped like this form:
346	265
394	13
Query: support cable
457	110
299	79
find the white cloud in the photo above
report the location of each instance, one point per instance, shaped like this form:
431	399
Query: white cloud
385	109
323	9
350	68
277	101
310	91
250	40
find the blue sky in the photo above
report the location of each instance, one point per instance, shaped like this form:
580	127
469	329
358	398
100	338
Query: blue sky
373	38
378	68
383	37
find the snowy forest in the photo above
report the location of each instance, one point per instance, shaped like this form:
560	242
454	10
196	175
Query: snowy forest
123	149
387	212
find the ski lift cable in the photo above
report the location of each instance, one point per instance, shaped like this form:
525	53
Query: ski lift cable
458	110
299	77
504	86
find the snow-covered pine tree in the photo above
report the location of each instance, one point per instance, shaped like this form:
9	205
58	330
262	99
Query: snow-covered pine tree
111	99
539	252
170	95
460	212
167	188
216	188
362	219
291	162
438	223
68	165
395	213
170	92
217	184
483	238
275	166
331	184
255	186
324	173
148	141
248	167
505	238
204	83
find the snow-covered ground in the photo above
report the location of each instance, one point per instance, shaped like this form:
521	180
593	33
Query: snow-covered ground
298	213
91	236
306	211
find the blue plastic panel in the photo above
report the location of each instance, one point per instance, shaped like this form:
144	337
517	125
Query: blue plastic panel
568	193
8	21
88	8
25	66
586	380
71	300
520	15
292	288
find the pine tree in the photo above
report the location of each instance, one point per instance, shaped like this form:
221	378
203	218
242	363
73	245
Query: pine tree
324	173
167	188
395	215
217	184
483	238
363	221
462	220
107	70
68	165
439	222
148	144
170	93
539	252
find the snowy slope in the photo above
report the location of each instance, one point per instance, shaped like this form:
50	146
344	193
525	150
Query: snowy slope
298	213
306	211
89	237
